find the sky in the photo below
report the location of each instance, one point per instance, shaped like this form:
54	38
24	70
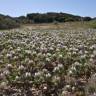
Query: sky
22	7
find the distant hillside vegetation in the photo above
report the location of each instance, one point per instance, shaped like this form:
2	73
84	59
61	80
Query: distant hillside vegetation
7	22
51	17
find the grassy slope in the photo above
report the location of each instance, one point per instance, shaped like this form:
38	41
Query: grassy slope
67	25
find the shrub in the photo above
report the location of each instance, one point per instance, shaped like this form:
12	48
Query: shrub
7	22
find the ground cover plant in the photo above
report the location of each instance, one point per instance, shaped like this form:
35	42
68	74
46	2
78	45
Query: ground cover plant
48	62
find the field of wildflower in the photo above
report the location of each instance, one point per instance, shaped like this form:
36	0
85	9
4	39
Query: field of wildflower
48	62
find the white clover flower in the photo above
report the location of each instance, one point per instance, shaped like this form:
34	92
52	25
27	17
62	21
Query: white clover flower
45	70
12	52
34	52
28	51
45	88
48	59
81	52
73	68
11	48
70	72
83	56
15	57
60	65
73	88
69	53
54	55
67	86
74	49
86	52
92	56
65	47
81	46
9	55
94	76
64	93
91	59
77	63
2	75
1	61
51	48
70	49
37	74
48	75
17	77
27	74
57	78
39	54
3	84
94	52
48	54
94	94
56	69
21	67
18	49
1	55
57	49
6	72
31	61
33	45
74	53
33	89
60	55
91	47
9	65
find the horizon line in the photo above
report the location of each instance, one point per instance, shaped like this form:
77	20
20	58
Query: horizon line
25	14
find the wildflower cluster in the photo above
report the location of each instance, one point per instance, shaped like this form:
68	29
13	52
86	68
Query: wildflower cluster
46	62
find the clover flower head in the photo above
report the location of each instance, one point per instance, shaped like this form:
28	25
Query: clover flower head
27	74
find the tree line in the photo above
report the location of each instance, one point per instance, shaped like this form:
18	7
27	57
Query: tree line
7	22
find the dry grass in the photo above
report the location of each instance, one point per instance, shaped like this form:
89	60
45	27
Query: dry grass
67	25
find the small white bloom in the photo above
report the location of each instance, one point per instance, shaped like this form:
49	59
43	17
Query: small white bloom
48	75
9	55
48	54
55	69
91	59
94	52
67	86
17	77
74	52
27	74
60	56
9	65
45	87
37	74
70	72
60	65
21	67
3	85
86	52
18	49
83	56
92	56
6	72
73	88
28	51
12	52
64	93
48	59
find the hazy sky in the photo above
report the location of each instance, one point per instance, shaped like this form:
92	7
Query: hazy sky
22	7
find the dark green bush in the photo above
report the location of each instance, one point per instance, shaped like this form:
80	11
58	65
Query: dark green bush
7	22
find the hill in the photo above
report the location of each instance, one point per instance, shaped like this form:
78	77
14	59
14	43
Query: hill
8	22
